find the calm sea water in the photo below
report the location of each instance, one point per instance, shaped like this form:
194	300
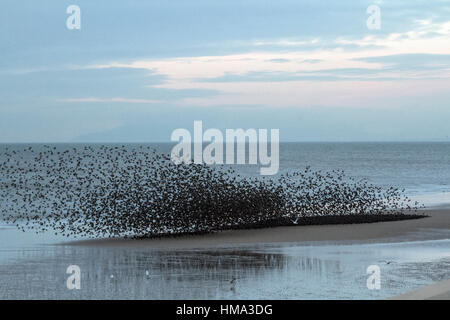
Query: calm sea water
34	266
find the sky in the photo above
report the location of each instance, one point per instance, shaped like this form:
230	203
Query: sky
137	70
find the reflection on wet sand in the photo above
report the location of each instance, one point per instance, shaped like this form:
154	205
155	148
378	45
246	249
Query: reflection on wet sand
277	272
139	274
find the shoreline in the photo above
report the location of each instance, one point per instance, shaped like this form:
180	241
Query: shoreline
436	291
405	230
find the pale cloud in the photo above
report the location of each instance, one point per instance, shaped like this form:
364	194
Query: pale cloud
284	42
257	74
252	55
121	100
358	94
178	70
424	37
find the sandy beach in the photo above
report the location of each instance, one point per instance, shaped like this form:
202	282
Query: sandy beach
430	228
302	262
434	227
437	291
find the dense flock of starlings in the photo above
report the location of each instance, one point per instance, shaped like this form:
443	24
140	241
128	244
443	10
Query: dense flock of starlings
123	191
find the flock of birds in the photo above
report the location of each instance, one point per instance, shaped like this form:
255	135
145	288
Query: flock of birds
133	191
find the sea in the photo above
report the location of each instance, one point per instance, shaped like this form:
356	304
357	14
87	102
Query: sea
34	266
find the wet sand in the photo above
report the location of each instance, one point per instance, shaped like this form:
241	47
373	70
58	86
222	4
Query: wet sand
277	263
436	226
437	291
